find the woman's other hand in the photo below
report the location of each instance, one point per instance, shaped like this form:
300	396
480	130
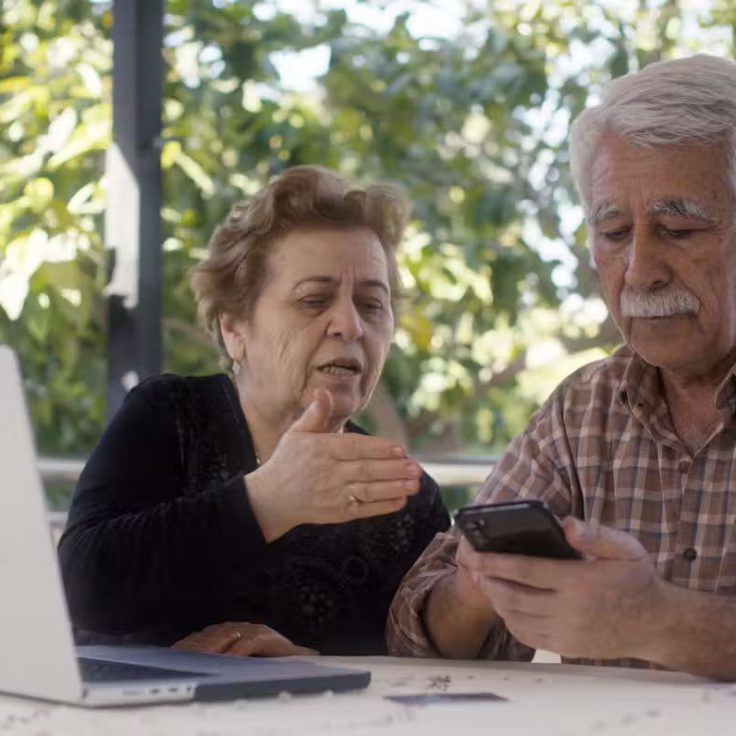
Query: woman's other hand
315	477
241	639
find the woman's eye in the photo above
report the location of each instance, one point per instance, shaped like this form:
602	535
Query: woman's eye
373	306
313	302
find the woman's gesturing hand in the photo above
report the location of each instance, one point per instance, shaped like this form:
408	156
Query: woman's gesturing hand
314	477
242	639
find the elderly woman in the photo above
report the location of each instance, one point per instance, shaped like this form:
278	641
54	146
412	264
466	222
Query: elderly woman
247	514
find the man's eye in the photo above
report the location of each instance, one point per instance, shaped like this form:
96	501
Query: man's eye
617	235
678	234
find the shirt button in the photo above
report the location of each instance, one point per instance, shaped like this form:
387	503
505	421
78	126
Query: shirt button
689	554
684	466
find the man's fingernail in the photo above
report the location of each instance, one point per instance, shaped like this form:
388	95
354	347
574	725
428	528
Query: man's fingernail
398	451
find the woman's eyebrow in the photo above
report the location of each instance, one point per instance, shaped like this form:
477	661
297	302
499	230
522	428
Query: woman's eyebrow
331	281
316	279
374	284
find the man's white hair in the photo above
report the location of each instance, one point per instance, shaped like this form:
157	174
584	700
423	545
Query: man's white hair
689	100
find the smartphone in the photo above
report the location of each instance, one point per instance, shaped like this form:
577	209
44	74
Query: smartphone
517	527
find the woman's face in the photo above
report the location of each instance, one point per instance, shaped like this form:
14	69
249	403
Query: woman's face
323	320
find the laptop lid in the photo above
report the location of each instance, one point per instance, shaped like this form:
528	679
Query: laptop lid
38	657
36	646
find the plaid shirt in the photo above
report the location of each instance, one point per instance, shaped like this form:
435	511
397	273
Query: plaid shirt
603	448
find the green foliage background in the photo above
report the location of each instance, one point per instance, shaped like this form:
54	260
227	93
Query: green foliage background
501	298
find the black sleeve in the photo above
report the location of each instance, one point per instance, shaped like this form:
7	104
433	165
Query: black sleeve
430	517
140	550
413	529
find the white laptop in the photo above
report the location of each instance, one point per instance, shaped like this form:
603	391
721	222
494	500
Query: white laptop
37	653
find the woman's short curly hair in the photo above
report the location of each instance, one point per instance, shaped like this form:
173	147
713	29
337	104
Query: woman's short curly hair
230	279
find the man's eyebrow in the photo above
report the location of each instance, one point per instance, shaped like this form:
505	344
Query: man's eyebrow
604	211
681	208
672	207
331	280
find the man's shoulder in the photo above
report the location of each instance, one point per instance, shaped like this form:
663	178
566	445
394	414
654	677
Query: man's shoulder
596	381
610	369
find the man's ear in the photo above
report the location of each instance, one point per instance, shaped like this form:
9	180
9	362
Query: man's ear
233	336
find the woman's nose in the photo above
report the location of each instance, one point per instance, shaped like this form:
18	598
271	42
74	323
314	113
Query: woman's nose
345	321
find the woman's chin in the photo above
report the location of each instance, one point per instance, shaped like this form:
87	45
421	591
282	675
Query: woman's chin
347	400
344	408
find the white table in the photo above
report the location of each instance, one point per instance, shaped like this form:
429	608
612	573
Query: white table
542	699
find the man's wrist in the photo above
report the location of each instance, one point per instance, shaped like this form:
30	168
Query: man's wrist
455	621
658	623
468	595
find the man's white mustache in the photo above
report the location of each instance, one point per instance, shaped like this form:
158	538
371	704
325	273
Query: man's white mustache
665	302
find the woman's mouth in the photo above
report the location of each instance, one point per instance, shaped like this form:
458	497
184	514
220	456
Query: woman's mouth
341	367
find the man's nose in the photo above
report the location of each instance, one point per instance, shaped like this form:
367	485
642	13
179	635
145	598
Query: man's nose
345	320
647	268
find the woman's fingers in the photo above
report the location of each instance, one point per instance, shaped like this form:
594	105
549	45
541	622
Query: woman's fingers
352	446
382	491
378	470
241	639
319	478
211	642
360	510
268	644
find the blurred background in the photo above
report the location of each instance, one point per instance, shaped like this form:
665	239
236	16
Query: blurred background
466	103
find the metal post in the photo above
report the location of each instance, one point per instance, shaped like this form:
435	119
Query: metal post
133	219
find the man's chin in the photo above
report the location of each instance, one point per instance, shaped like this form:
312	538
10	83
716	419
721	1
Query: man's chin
662	354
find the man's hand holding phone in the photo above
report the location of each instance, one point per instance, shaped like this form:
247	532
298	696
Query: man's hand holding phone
605	605
525	527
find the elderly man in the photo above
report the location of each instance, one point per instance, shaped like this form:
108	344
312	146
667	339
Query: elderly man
638	451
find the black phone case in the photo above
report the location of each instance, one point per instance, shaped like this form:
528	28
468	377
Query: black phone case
519	527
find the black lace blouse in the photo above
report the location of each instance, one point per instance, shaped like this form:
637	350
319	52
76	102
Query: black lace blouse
161	540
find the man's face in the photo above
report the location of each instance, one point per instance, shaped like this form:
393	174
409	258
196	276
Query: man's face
663	229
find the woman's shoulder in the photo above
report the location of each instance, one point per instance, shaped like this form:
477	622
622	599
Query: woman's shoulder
172	389
174	384
172	403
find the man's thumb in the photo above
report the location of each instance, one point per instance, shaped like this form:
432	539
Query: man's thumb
601	542
316	417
